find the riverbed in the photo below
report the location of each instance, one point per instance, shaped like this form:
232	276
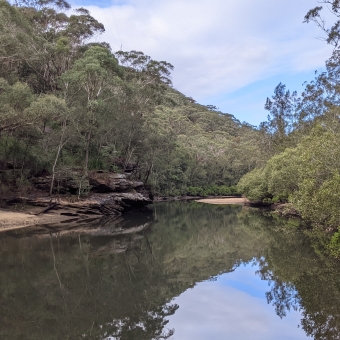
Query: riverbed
182	270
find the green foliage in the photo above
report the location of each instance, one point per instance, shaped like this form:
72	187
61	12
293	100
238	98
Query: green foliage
14	102
213	190
281	109
334	244
254	185
70	104
281	175
306	176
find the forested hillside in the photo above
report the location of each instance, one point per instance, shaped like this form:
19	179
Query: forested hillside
302	136
69	106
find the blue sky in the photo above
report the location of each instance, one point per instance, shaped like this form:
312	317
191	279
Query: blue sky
229	53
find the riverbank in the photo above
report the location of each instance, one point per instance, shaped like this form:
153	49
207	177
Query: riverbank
10	220
226	200
191	198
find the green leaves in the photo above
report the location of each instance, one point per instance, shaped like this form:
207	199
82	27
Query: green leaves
93	72
280	120
121	102
307	175
254	186
47	109
83	26
13	102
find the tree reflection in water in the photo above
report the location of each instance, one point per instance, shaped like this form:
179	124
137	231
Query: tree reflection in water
95	286
303	279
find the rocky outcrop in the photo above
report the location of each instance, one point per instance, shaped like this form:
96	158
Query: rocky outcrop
70	183
106	194
97	181
94	204
101	182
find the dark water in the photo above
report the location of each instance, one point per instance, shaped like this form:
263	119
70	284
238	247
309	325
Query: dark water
187	271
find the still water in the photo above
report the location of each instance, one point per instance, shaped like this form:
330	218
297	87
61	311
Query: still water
180	271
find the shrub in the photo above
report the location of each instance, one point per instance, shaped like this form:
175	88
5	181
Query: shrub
254	185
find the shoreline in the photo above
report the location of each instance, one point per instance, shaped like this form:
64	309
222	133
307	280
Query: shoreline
224	201
190	198
11	220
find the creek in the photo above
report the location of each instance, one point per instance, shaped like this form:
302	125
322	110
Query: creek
186	271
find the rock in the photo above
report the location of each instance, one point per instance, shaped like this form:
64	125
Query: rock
67	184
108	182
136	184
42	183
98	181
95	204
109	203
107	193
286	209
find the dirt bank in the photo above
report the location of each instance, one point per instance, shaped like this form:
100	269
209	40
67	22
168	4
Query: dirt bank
230	200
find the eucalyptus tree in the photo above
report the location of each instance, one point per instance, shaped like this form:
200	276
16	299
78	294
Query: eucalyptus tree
280	121
14	100
16	41
54	117
322	95
122	106
58	39
92	81
145	82
332	32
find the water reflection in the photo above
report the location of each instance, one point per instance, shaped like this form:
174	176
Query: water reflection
233	307
112	283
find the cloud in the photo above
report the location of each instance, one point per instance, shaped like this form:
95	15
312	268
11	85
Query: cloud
216	46
231	310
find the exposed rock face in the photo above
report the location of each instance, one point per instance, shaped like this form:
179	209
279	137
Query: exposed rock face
67	184
93	204
109	194
98	181
109	182
107	203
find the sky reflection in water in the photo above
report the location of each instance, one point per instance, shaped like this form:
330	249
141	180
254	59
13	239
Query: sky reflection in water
232	307
127	287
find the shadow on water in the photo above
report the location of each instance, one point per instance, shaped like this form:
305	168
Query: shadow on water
116	279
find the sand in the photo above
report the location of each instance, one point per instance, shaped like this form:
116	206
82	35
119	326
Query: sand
231	200
10	220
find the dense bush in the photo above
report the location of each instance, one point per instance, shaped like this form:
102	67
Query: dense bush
254	185
213	190
307	176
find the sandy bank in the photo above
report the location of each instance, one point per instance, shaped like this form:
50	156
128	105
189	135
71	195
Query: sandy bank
14	220
231	200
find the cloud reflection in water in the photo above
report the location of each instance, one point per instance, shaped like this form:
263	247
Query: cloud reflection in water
233	307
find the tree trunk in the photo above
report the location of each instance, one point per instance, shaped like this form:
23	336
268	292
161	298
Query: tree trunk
87	147
60	146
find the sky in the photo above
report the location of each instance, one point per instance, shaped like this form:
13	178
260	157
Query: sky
233	307
227	53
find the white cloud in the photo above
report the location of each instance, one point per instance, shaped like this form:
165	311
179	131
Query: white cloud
217	46
214	311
